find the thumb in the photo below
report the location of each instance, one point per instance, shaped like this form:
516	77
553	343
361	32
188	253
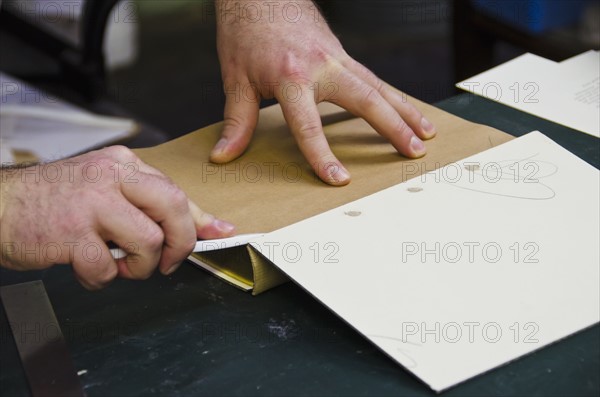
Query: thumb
241	117
207	226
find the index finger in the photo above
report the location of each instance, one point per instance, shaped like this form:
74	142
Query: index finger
167	205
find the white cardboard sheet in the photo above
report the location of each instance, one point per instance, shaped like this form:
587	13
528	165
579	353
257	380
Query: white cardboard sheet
566	92
49	128
463	269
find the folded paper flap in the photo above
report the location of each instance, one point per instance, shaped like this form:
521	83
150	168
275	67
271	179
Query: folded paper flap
266	275
272	185
233	261
242	267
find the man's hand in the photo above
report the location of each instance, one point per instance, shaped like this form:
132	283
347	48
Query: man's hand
66	211
285	50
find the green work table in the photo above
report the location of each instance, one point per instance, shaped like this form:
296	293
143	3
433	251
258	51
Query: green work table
191	334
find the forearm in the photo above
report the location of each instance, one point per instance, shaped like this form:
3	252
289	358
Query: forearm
268	12
7	176
10	177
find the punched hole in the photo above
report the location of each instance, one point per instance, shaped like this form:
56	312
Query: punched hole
415	189
353	213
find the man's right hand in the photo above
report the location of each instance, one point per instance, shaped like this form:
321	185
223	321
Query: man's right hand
66	211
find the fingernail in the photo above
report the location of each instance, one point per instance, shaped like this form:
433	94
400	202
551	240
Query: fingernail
417	145
220	146
223	226
173	268
426	124
338	174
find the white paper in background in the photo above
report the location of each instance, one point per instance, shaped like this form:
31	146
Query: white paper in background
54	137
6	156
566	93
463	269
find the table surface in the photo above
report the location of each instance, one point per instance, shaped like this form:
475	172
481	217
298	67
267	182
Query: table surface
191	334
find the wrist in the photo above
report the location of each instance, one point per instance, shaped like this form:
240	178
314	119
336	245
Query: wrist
262	13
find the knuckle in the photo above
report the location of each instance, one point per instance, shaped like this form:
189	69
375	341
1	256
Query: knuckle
321	55
120	152
371	77
298	77
97	277
370	98
403	129
293	70
191	244
178	199
188	246
375	81
233	121
105	163
108	274
412	112
164	178
154	237
180	205
310	130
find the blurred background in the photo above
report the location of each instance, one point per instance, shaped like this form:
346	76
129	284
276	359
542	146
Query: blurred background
159	63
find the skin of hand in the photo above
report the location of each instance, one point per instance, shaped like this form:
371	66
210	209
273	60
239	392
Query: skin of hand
285	50
66	211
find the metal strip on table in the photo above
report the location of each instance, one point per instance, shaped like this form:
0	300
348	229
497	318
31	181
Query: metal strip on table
40	342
